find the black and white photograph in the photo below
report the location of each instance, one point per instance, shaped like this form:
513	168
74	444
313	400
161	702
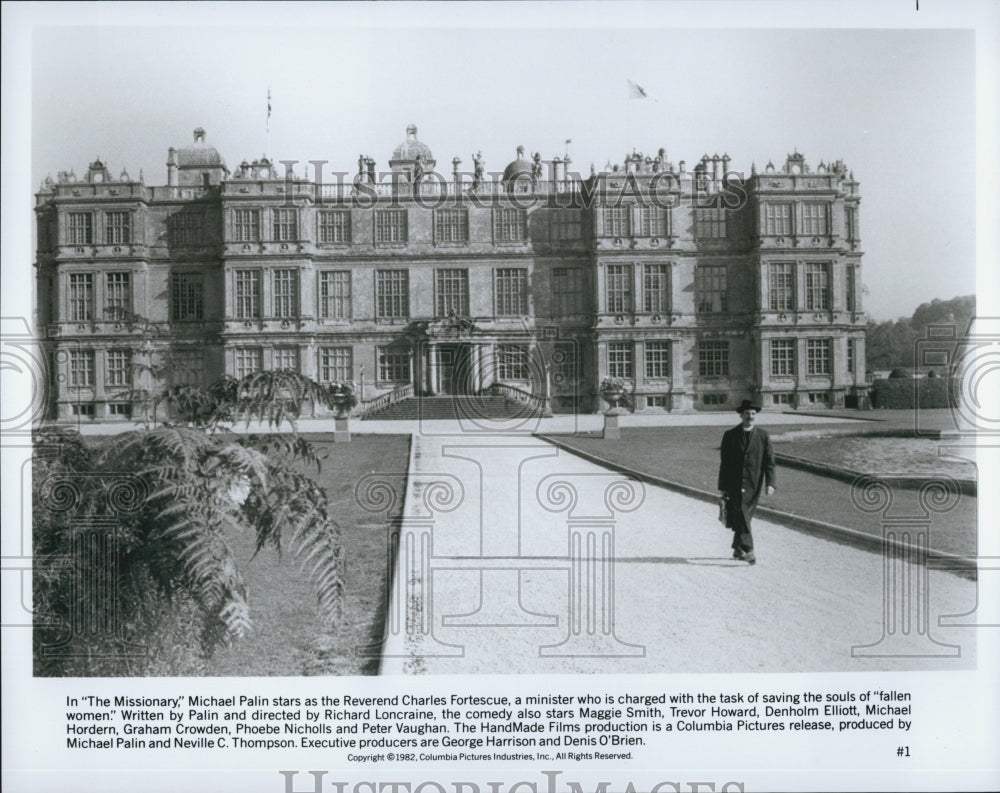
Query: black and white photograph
500	396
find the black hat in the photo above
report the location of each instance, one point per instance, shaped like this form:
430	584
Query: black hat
746	404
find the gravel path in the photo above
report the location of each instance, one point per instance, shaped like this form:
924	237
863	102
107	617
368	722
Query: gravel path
488	583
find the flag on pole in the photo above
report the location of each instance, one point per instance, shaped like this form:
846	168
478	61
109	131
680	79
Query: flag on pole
636	91
268	102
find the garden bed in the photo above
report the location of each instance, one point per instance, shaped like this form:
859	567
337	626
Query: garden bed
287	637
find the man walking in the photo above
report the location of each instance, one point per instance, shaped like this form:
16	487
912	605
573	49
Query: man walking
745	467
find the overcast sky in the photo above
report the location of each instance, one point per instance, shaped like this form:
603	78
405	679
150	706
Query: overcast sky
898	106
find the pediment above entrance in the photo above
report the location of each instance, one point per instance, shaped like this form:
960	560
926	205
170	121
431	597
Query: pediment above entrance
451	327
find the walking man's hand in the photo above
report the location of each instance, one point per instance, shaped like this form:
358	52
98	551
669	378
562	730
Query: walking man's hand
770	490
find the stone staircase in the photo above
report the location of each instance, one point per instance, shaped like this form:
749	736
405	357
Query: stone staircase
454	407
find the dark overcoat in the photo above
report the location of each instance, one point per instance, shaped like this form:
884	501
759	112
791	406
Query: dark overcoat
744	473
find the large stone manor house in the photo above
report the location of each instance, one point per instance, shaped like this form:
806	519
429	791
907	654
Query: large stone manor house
694	286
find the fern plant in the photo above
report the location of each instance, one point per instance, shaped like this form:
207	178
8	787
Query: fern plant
193	487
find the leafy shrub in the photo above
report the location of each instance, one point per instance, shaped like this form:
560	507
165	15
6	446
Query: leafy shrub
135	573
900	394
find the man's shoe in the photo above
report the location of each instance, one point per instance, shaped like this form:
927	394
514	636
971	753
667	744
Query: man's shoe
749	558
738	554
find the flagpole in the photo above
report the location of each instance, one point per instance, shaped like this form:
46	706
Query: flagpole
267	147
628	119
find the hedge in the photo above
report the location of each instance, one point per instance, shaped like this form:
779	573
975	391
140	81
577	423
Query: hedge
897	394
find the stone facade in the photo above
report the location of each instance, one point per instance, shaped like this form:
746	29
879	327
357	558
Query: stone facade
696	288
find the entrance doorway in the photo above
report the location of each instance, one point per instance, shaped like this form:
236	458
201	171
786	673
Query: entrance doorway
454	372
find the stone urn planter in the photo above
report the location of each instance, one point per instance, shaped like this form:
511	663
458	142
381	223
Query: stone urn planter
342	404
612	391
612	396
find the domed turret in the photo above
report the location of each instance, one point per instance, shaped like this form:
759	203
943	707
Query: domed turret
200	163
517	168
411	151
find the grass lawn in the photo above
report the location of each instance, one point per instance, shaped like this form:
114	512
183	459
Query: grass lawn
287	637
690	456
878	455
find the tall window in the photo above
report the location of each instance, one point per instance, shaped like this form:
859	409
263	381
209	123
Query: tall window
118	371
815	219
567	291
511	291
118	297
335	364
286	294
567	224
81	297
782	356
246	225
248	361
117	228
617	222
853	232
713	359
509	224
390	226
81	368
778	220
52	302
393	365
710	223
564	363
334	225
849	286
781	277
618	284
335	294
710	289
850	355
817	287
818	356
655	292
654	222
285	225
184	228
248	294
187	366
187	293
451	225
81	228
392	293
657	359
451	292
512	362
620	359
286	358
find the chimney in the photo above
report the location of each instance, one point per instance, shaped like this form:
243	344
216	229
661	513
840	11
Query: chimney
171	167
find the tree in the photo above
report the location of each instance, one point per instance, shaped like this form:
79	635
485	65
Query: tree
892	344
187	490
957	312
889	344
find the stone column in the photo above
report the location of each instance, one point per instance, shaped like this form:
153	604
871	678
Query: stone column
432	385
476	378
